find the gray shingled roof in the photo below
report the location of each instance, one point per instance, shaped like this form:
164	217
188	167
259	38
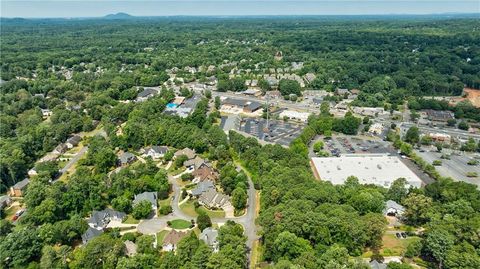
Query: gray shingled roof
102	218
209	236
203	187
74	140
146	196
21	184
392	204
127	157
147	92
90	234
186	151
253	106
160	149
235	102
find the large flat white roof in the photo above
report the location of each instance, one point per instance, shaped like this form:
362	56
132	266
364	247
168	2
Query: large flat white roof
378	169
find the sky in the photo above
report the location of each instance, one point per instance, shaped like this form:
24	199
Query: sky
97	8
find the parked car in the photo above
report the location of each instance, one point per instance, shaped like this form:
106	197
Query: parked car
18	214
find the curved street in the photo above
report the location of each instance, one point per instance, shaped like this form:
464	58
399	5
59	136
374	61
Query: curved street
156	224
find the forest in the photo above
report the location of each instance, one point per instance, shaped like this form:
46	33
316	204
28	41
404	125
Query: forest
85	71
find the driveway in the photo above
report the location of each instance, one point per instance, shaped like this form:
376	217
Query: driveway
156	224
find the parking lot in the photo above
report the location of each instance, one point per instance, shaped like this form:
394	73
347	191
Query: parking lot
338	145
279	132
456	167
343	144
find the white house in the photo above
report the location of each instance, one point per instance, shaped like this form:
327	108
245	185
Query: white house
155	152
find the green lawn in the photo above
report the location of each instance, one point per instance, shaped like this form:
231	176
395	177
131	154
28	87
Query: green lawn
160	236
131	220
189	209
392	246
165	202
180	224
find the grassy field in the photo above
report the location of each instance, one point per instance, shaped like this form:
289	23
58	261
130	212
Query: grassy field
392	246
189	209
180	224
160	236
11	211
131	220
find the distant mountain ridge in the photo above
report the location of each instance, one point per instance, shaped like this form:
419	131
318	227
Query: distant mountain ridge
119	15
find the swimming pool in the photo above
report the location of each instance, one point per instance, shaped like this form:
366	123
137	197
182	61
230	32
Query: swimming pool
171	105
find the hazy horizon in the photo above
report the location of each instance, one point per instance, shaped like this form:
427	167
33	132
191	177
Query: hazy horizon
79	9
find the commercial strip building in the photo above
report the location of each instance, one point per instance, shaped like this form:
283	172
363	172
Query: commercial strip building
294	115
378	169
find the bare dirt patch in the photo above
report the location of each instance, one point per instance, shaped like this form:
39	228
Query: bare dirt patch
473	95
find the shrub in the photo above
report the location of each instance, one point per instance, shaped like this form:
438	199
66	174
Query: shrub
142	210
165	210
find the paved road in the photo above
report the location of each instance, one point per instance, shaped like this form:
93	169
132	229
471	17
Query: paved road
80	153
277	102
73	160
154	225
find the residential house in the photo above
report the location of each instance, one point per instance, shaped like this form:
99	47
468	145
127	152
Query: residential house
147	196
278	56
60	149
209	236
126	158
341	106
187	152
5	201
309	77
100	219
203	187
89	234
130	248
273	95
145	94
39	95
392	208
297	66
212	199
204	172
73	141
155	152
194	164
272	81
32	172
18	189
171	240
46	113
341	92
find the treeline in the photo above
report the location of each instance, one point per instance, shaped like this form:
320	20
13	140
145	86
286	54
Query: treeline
462	110
307	222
